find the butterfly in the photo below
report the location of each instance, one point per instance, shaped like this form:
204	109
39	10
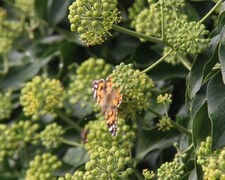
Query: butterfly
109	99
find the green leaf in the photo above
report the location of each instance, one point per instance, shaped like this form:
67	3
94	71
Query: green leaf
198	101
18	75
201	125
221	18
202	66
57	10
156	140
221	53
41	8
216	105
76	156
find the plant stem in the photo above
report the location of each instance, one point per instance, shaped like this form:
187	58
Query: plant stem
5	64
163	21
157	62
181	128
68	120
137	173
185	62
138	35
175	125
210	12
65	141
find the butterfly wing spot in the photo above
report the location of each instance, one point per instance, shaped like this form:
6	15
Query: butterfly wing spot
111	118
98	88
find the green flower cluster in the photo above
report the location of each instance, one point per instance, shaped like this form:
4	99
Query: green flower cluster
134	10
108	155
93	19
165	99
164	124
135	88
41	96
26	7
5	105
80	89
171	170
187	36
212	162
172	4
98	135
9	31
147	20
14	137
148	174
51	135
42	167
110	162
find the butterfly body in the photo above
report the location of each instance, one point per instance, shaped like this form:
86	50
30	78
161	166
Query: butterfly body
109	99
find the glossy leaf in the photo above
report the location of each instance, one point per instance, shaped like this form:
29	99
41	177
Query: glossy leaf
216	105
146	145
221	53
202	66
75	156
201	125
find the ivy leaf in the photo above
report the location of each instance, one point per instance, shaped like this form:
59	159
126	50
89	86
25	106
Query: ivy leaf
76	156
57	10
221	18
161	141
216	105
201	125
202	66
221	53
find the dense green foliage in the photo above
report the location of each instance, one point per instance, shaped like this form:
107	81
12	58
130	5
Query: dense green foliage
163	62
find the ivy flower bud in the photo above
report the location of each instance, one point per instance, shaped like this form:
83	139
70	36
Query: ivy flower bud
135	88
187	36
41	96
164	124
51	135
42	167
93	19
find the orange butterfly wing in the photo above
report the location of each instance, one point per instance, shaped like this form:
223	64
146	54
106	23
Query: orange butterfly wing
109	99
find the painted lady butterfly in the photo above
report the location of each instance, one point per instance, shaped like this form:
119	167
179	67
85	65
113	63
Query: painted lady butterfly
109	99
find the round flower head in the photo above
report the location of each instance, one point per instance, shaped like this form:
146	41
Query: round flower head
41	96
136	8
51	135
93	19
187	36
42	167
98	135
164	124
14	137
135	88
212	162
148	21
9	31
26	7
171	170
148	174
